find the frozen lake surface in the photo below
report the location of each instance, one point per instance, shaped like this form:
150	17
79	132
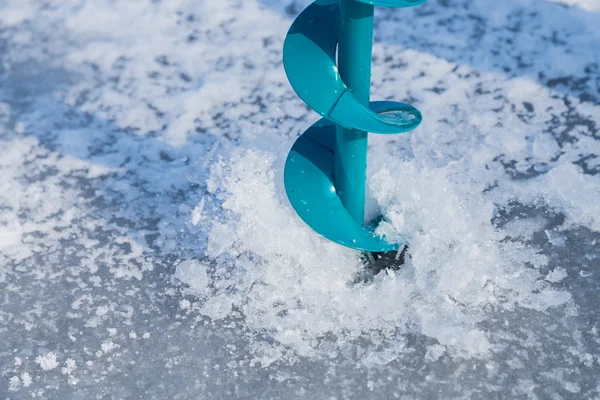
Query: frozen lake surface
147	249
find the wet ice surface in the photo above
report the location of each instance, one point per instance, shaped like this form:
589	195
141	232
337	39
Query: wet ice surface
147	248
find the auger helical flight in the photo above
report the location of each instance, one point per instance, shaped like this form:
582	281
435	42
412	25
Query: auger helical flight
325	171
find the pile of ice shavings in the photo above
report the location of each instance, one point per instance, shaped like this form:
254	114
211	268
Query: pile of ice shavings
302	291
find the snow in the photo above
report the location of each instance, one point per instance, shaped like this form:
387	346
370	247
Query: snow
47	362
557	274
434	352
26	379
147	247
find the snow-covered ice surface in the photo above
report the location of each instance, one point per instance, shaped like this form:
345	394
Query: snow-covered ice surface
147	248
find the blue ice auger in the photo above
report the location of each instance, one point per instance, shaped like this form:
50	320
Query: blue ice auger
325	171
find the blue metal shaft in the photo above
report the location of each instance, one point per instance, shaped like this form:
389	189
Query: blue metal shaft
354	63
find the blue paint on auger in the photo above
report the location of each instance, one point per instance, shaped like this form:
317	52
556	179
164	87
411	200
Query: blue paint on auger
325	171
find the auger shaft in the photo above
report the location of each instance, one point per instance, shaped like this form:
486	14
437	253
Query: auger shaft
354	63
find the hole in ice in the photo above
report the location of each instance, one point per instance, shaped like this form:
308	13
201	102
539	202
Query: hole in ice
374	263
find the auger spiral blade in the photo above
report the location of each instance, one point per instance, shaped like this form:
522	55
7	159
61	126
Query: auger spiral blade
327	164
